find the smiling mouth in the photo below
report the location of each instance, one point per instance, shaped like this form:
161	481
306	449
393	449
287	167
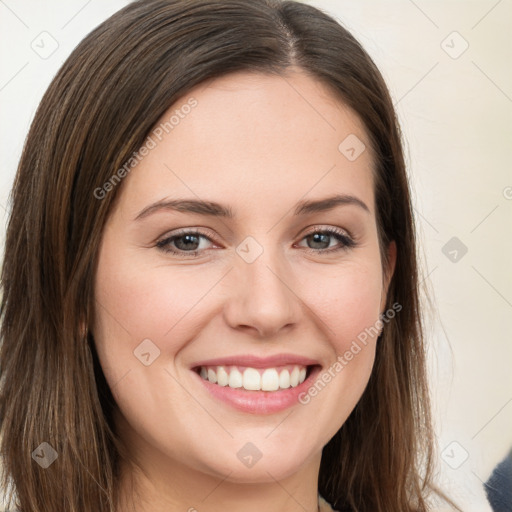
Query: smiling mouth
256	379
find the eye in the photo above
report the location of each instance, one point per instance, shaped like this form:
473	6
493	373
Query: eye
321	243
183	243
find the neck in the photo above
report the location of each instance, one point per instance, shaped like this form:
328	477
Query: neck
192	492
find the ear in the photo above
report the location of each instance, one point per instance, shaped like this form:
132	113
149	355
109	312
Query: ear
388	273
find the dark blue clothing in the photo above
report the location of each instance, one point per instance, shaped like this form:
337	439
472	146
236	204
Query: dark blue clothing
499	486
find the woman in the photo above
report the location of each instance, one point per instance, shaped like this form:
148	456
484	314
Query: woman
210	291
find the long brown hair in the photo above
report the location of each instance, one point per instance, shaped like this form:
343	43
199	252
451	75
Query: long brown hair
97	112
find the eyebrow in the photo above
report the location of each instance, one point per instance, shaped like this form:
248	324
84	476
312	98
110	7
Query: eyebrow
213	209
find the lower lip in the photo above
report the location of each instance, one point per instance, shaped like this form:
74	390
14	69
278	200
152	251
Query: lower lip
259	402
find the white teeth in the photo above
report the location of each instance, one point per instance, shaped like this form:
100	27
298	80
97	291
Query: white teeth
294	377
235	379
284	379
222	376
252	379
212	376
270	380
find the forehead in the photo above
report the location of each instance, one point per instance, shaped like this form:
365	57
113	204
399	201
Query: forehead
250	137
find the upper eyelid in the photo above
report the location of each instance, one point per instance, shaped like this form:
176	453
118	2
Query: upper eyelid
321	227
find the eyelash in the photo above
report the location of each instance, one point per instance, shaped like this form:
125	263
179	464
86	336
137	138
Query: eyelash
347	242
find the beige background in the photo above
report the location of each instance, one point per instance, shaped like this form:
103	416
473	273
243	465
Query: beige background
455	108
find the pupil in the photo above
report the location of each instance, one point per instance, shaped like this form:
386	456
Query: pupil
190	240
316	237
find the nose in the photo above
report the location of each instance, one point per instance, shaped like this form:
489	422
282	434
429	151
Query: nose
263	297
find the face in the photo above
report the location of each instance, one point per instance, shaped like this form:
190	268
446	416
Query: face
271	297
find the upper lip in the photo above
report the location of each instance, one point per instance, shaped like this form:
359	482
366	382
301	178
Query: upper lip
258	362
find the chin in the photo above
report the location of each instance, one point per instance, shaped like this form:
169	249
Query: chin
259	461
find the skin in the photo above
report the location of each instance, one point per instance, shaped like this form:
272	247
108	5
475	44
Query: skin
258	144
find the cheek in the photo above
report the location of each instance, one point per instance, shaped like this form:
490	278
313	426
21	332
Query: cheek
349	309
146	301
347	301
136	303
